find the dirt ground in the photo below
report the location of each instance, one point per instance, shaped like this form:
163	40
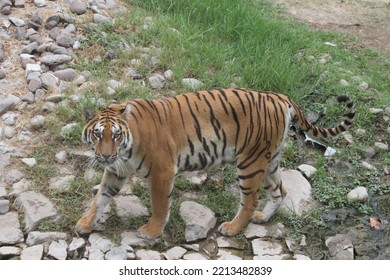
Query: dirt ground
369	20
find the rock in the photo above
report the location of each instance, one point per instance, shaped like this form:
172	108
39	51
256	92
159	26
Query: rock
168	75
198	218
174	253
363	85
195	177
9	132
229	242
227	254
298	197
48	107
348	138
17	21
307	170
21	186
340	247
264	230
143	254
32	253
28	49
57	249
68	74
6	10
300	257
37	121
130	205
66	129
7	252
369	152
20	3
36	208
115	84
375	110
78	7
34	84
194	256
61	183
99	242
36	237
4	162
192	83
267	250
35	21
61	157
381	146
344	83
79	80
32	67
368	166
2	73
8	103
55	59
98	18
131	238
49	80
55	98
4	206
40	3
76	244
9	118
10	232
29	161
157	81
358	194
116	253
132	73
3	191
65	40
13	176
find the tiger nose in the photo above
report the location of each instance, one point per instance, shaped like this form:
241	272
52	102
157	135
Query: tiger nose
107	158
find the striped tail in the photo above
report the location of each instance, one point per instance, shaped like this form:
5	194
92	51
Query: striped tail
326	132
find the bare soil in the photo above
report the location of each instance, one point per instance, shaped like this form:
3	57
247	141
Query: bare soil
368	20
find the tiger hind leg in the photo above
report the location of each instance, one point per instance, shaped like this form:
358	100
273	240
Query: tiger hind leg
109	187
275	192
250	181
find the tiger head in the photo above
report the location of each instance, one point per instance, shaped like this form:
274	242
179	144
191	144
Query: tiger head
107	133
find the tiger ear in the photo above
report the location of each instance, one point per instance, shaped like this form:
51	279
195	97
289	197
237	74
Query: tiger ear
125	110
89	114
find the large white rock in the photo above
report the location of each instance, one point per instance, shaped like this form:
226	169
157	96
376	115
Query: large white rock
10	232
298	197
36	208
36	237
267	250
174	253
198	218
58	249
264	230
32	253
143	254
340	247
130	205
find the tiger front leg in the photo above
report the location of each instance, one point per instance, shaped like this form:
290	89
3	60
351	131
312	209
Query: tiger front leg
109	187
161	190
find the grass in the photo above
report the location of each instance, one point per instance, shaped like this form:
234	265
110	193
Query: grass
248	43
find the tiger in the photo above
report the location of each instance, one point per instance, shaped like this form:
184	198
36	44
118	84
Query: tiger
157	138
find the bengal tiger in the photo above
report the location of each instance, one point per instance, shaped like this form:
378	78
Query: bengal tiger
158	138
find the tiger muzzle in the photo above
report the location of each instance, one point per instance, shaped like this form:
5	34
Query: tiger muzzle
106	159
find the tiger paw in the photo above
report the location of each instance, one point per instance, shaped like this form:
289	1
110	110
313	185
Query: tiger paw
228	229
258	217
148	231
84	226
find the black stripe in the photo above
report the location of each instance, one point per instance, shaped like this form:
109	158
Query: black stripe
154	107
140	165
191	145
197	126
251	175
215	148
147	175
180	110
205	146
223	105
241	102
347	122
224	142
235	117
214	122
274	170
351	115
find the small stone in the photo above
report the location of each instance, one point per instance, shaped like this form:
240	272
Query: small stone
360	131
115	84
13	176
10	232
37	121
20	3
98	18
99	242
29	161
55	59
192	83
49	80
68	74
381	146
34	84
307	170
264	230
78	7
7	252
340	247
130	205
79	80
143	254
195	177
76	244
348	138
57	249
17	21
48	107
8	103
344	83
266	250
9	118
358	194
363	85
32	253
174	253
2	73
36	237
65	40
32	67
194	256
28	49
9	132
368	166
61	157
61	183
157	81
55	98
65	130
168	75
117	253
40	3
4	207
369	152
375	110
